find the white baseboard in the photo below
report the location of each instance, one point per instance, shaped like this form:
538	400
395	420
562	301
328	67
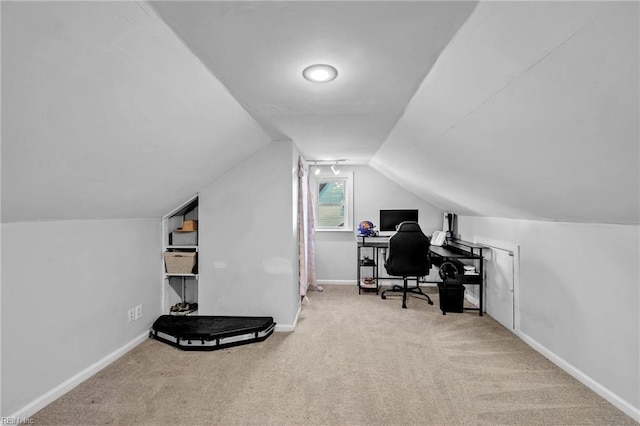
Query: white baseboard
381	280
615	400
55	393
289	327
337	282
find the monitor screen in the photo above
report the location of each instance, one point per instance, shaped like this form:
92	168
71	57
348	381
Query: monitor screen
389	219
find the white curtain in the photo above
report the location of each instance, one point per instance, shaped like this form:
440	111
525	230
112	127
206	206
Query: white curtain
306	228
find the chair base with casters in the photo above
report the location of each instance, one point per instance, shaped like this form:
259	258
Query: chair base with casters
405	289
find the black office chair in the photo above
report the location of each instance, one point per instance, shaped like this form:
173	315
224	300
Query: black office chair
408	257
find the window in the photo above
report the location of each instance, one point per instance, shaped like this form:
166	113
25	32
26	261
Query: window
333	202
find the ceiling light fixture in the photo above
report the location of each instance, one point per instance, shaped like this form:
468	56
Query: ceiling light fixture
320	73
319	164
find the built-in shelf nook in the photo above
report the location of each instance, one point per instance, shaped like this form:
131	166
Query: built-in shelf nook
180	260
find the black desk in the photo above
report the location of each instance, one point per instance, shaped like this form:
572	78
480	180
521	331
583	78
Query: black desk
465	253
456	251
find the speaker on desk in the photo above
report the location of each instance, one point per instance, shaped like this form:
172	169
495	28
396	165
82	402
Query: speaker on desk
450	225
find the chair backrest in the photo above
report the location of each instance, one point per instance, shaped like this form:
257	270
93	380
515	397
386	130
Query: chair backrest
408	253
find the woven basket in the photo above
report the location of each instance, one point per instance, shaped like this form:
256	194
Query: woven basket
179	262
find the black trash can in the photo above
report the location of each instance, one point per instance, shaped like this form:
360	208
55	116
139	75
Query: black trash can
451	297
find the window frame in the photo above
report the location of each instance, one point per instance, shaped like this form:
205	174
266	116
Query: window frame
347	178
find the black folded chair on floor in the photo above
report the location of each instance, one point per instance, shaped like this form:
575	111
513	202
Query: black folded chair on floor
408	257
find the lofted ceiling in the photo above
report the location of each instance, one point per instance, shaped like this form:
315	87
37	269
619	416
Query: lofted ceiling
510	109
531	112
105	114
382	50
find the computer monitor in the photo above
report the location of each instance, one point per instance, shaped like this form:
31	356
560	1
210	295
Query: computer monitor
390	219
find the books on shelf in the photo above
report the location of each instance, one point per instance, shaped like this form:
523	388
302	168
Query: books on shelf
367	262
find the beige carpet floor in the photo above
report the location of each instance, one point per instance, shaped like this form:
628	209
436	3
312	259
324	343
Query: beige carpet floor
353	360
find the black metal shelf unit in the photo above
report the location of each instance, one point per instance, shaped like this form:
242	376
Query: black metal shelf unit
366	263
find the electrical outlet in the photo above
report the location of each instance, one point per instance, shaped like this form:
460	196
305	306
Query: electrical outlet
138	311
131	315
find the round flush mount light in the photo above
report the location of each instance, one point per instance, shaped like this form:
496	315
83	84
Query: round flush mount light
320	73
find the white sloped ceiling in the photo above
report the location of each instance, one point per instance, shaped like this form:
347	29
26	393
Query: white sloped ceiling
531	112
106	114
381	49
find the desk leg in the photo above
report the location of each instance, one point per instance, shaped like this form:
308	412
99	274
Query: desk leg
376	274
481	298
358	273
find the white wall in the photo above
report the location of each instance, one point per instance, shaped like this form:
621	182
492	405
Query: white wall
107	114
336	251
66	290
531	112
248	260
580	298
